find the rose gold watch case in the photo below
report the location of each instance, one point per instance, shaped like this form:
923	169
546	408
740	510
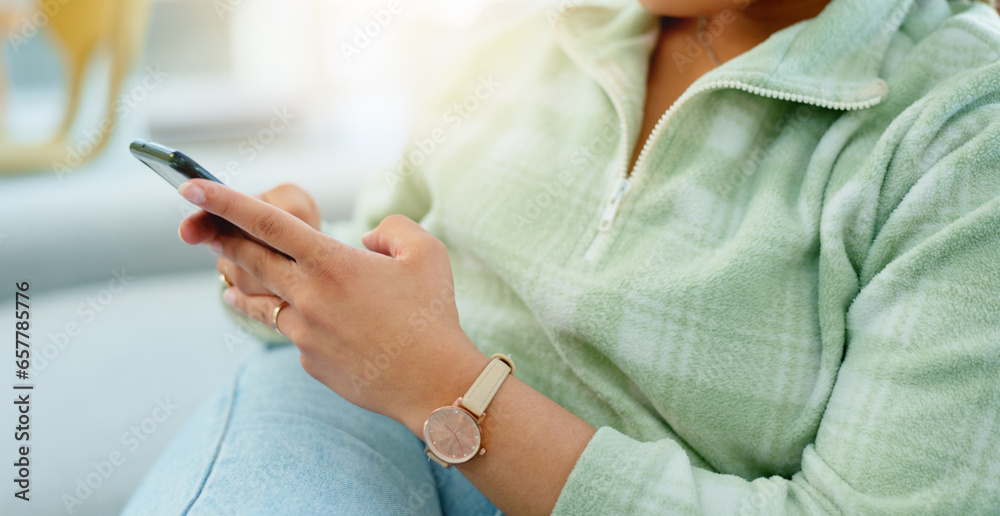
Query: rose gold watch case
466	432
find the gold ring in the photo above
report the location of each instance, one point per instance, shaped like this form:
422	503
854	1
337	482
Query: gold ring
274	317
225	279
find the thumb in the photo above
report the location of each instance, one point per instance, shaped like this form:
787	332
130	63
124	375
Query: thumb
396	236
294	200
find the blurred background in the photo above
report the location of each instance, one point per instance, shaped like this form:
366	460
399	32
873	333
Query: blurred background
127	332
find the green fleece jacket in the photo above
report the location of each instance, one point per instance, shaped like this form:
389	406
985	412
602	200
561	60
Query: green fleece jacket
792	303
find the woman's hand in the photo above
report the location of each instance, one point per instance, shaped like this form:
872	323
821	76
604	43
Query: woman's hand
203	226
378	327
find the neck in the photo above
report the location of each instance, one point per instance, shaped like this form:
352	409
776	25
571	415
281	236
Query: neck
678	60
733	31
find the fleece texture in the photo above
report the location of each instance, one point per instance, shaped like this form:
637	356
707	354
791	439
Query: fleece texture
796	306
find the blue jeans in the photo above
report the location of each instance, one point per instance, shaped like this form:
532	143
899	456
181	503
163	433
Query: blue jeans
276	441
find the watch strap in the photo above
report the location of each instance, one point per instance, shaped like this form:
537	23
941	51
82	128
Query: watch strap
433	457
479	396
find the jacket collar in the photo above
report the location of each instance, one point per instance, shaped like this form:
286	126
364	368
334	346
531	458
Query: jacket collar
833	58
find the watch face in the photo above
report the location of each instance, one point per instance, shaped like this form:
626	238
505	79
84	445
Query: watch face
452	434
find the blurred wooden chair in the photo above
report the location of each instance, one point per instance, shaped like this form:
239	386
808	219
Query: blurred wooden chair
80	30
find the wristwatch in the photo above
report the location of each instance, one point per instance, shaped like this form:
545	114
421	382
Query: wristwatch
454	434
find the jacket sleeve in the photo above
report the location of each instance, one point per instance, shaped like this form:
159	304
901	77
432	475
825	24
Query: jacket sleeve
912	423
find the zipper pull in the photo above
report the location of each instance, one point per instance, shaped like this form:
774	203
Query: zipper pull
611	208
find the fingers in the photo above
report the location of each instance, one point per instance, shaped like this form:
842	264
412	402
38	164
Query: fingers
296	201
202	226
241	279
270	224
275	273
397	236
261	308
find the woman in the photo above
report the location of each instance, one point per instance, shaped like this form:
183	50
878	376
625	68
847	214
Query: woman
778	295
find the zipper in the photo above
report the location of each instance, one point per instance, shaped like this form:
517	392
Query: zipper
624	183
622	186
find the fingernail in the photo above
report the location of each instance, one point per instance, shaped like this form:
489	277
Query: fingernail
229	296
192	193
180	235
216	246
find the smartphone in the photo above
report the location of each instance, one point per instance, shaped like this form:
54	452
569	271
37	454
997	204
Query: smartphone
176	168
170	164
